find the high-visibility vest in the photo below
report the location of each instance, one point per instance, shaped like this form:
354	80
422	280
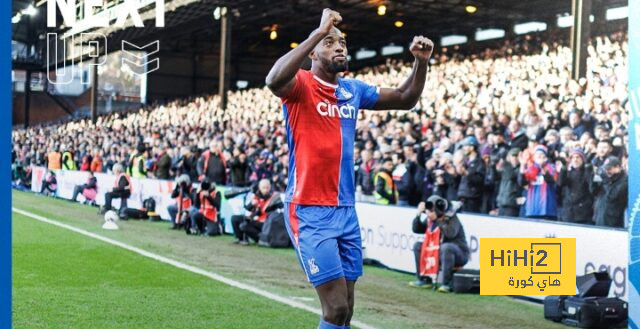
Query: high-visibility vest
134	168
69	163
54	162
128	182
206	155
389	186
184	202
207	209
262	205
430	252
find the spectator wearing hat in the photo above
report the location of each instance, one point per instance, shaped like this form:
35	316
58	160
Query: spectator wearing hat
540	177
574	195
472	171
611	194
263	167
509	190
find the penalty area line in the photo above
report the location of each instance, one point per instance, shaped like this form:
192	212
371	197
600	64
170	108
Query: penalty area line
217	277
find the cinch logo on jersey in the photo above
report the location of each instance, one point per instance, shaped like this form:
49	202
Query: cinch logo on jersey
332	110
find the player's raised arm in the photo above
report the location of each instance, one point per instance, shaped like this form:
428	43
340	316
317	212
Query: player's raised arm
406	96
281	77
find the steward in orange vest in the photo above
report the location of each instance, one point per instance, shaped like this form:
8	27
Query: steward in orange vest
245	227
122	189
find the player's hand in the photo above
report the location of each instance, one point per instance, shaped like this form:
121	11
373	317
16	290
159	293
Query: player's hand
421	48
330	18
422	206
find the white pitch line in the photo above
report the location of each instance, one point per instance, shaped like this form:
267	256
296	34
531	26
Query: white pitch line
175	263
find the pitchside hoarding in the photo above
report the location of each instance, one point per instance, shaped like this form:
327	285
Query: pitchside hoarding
386	230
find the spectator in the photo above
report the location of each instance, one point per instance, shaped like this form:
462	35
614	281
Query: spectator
240	169
611	194
163	163
50	184
386	192
603	151
573	183
506	105
122	190
89	190
471	172
404	177
364	178
540	178
212	164
509	190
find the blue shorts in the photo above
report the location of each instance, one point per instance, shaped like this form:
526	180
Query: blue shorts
327	241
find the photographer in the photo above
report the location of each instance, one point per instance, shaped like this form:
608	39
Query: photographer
245	227
207	201
183	209
440	217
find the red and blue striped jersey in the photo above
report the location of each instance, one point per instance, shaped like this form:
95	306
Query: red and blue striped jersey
320	118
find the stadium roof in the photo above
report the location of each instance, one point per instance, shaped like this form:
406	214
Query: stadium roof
191	27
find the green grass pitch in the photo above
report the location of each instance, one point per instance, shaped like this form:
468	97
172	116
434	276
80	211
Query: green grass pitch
62	279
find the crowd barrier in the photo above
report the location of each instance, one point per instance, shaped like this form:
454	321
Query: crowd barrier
386	230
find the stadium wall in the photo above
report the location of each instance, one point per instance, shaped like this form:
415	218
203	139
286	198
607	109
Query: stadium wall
386	230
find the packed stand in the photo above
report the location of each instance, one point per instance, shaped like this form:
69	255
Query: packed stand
506	132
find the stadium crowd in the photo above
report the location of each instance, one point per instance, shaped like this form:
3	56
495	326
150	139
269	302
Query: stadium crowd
506	131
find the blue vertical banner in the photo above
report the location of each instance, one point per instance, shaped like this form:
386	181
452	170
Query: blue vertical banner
634	164
5	164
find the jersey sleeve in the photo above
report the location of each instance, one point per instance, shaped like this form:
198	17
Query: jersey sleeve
298	87
368	95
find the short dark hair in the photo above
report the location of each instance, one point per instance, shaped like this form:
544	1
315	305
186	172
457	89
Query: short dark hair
387	159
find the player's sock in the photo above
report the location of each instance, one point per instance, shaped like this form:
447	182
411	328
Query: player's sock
326	325
347	327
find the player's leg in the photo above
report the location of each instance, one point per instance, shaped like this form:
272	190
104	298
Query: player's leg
334	298
314	234
350	247
351	297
